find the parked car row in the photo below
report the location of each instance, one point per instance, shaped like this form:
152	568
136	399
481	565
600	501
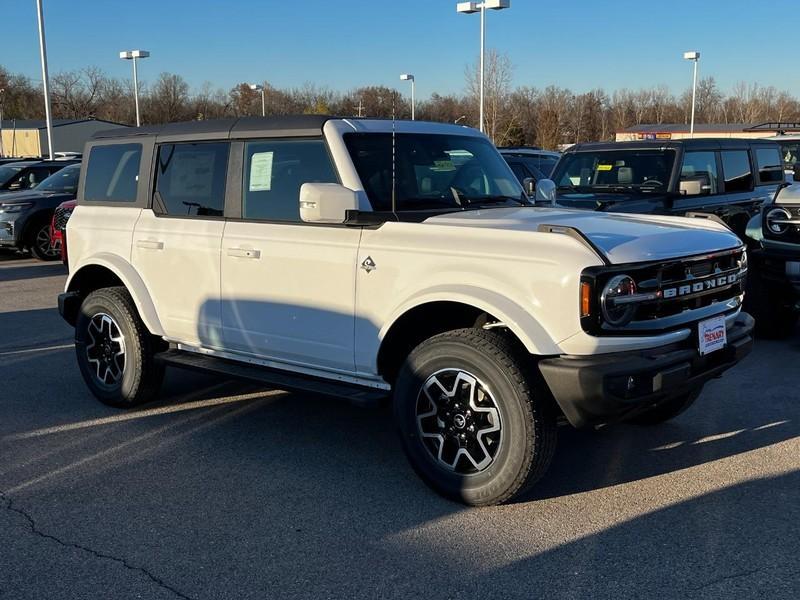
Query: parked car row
26	210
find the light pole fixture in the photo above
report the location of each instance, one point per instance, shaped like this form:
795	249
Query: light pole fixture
134	55
260	88
45	82
410	77
473	7
695	58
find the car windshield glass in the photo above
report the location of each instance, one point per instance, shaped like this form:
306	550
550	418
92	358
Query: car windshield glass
7	172
432	171
790	152
615	170
63	181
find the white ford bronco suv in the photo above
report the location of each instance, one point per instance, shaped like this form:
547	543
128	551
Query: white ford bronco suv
372	258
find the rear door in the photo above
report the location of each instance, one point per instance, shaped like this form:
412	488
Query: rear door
176	243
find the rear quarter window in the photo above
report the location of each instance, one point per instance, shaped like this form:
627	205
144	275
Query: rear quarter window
112	173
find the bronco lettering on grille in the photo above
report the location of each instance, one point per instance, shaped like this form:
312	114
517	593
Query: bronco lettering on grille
703	285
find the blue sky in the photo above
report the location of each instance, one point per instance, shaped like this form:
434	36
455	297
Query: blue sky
342	44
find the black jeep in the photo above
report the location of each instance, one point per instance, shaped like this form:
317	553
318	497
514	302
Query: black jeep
728	180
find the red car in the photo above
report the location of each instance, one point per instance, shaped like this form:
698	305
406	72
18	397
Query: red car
58	227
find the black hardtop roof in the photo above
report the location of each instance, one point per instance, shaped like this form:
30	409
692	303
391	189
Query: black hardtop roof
287	125
688	144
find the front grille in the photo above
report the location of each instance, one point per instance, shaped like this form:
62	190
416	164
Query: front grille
61	217
677	292
792	233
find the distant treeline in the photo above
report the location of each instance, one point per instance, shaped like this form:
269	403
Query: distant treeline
523	115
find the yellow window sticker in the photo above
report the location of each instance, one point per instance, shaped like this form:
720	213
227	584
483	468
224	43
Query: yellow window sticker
604	167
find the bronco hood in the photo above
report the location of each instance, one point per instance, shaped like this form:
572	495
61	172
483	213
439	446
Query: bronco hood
621	238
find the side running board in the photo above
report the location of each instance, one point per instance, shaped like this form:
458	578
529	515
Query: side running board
283	380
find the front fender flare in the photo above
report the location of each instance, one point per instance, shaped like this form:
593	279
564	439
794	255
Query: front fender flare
519	321
125	272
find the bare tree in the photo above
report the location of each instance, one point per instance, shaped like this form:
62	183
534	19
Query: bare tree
498	114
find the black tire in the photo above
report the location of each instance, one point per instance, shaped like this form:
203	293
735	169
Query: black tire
772	307
665	411
106	315
40	243
519	453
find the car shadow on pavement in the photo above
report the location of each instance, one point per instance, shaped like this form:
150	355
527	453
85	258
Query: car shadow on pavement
740	541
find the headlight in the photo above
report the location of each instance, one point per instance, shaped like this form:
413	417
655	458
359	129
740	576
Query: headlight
778	220
14	208
616	311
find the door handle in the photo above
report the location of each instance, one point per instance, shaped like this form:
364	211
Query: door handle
244	252
150	245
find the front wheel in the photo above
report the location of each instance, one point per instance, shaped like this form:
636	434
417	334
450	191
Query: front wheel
472	426
41	243
115	351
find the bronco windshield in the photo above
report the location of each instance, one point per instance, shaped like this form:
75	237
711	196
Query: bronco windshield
432	171
615	170
64	181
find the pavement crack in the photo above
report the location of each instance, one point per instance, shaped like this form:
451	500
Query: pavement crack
97	554
717	580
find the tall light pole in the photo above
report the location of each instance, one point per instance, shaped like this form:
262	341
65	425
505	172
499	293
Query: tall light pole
2	95
260	88
135	55
410	77
45	81
694	57
473	7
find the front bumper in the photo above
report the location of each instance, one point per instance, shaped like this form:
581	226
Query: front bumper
780	264
593	390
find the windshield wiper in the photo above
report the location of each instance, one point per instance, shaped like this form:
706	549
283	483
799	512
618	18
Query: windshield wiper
497	199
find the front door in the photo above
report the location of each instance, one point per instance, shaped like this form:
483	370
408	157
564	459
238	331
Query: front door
288	288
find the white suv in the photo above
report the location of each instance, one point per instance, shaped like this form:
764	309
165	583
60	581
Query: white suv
369	258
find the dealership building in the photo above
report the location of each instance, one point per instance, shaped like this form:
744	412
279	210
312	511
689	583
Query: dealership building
28	138
680	131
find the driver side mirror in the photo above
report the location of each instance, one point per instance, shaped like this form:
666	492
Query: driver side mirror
796	176
546	192
326	202
529	183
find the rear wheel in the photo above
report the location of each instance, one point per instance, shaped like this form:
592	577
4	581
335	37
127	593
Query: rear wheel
471	424
40	243
665	411
115	351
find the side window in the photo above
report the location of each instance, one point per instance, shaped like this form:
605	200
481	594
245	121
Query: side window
738	174
190	179
770	165
699	174
274	172
112	173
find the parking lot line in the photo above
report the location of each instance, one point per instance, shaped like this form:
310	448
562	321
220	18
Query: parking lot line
30	350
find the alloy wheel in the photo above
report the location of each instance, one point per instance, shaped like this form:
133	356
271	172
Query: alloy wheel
106	349
459	421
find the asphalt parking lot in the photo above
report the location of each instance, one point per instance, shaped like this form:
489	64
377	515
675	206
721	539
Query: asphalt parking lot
227	490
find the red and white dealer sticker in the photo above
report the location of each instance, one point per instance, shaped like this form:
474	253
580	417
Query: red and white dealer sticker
713	335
